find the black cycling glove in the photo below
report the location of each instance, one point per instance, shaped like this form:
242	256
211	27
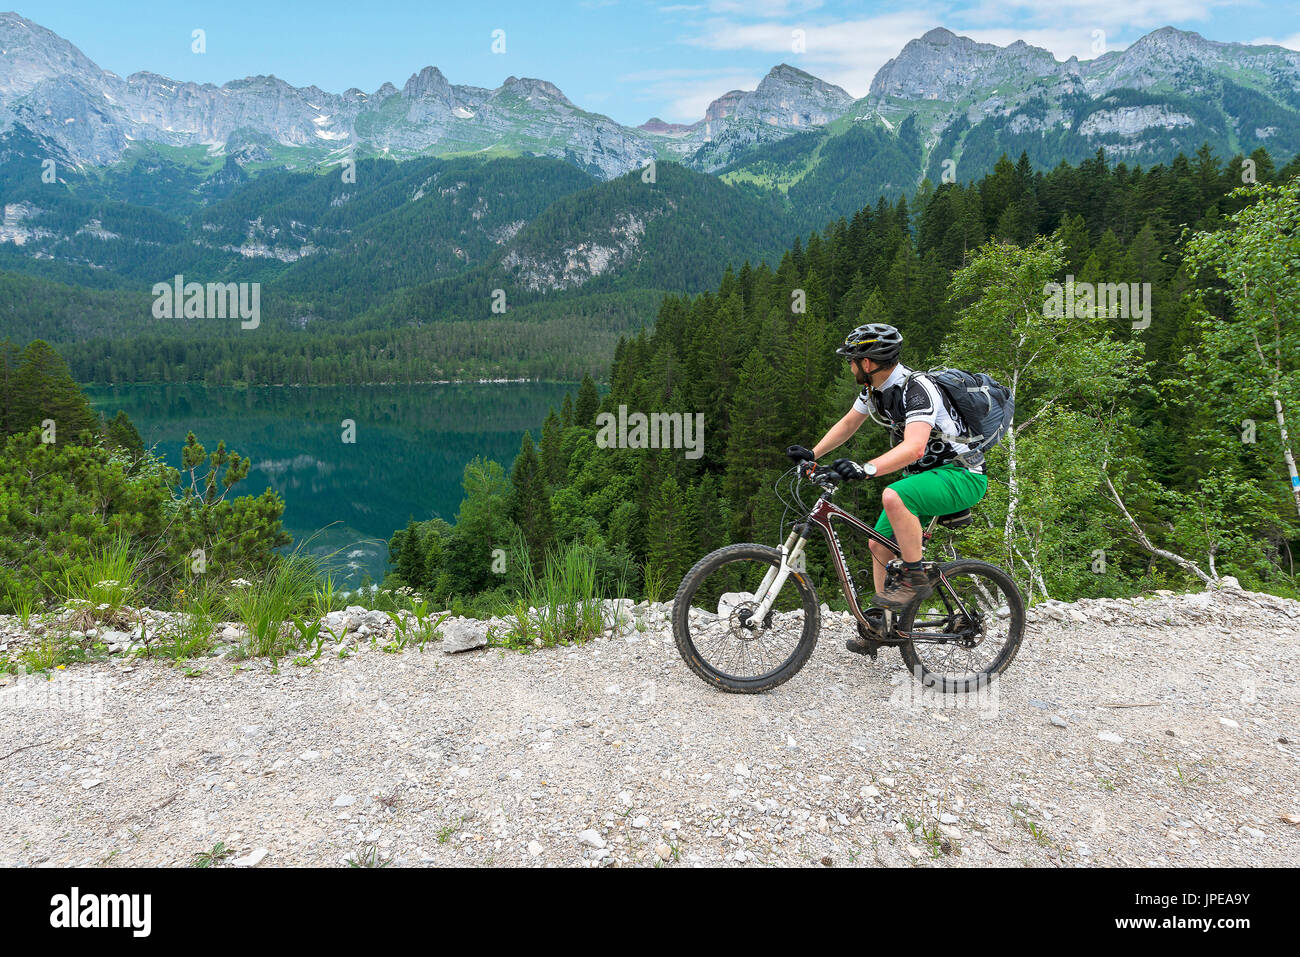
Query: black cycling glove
849	470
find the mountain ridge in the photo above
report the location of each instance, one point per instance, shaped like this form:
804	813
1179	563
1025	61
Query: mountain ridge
95	117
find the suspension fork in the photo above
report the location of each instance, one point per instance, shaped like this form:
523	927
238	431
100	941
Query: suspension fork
775	578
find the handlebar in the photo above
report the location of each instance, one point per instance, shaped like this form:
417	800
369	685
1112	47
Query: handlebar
822	475
825	476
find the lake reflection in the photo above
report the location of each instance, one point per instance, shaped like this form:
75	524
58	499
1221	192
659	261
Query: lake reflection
412	445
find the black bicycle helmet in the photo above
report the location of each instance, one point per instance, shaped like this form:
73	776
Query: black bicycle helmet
875	340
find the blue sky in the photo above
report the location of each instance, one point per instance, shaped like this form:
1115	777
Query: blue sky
630	59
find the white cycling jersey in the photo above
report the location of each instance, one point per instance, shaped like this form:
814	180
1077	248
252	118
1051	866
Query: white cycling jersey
924	402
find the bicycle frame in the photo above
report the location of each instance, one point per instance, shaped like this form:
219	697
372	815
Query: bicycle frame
822	515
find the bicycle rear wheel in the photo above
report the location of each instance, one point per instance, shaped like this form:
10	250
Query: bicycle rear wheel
959	637
713	628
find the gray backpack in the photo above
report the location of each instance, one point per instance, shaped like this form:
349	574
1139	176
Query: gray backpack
983	403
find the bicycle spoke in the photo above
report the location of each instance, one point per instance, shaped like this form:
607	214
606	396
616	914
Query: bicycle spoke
717	621
972	615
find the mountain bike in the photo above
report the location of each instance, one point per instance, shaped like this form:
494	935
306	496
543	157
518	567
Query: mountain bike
739	627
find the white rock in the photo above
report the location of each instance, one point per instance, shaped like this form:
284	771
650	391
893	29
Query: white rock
250	860
1110	736
730	600
345	800
463	634
592	839
1228	723
534	849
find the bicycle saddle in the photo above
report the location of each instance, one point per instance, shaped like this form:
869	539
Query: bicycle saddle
956	519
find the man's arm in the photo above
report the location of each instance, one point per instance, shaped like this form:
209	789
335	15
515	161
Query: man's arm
840	432
915	437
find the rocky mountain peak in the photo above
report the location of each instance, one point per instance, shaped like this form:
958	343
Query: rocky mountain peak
940	65
529	86
723	106
787	81
30	54
656	125
429	83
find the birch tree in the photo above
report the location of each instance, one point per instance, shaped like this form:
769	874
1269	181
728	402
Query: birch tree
1049	358
1250	351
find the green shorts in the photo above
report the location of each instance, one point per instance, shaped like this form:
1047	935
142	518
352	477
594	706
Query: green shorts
942	491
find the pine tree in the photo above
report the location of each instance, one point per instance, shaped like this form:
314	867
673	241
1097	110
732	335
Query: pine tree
10	358
410	561
122	434
44	390
588	404
530	506
432	559
554	465
670	532
755	453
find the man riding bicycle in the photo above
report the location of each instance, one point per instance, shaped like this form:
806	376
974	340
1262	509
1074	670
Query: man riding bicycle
941	475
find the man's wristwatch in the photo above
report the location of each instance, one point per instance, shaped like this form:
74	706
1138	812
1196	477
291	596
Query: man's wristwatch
869	468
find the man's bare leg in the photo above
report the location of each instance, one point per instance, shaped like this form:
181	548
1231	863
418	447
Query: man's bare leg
907	527
907	532
881	555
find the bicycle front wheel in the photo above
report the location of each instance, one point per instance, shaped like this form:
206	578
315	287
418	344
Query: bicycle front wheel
714	627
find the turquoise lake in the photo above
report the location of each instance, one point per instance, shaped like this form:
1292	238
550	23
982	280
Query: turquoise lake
412	445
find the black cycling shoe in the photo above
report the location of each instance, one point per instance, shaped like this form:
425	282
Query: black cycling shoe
866	643
862	646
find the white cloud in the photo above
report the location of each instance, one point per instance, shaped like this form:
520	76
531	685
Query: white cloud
1090	14
681	95
847	53
1291	43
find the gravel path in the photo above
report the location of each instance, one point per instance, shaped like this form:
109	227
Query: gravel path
1162	731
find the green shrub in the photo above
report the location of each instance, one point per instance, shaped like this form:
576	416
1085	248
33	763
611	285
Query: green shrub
566	599
267	606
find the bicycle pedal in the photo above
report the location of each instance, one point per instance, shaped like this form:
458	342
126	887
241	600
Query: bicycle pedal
877	631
